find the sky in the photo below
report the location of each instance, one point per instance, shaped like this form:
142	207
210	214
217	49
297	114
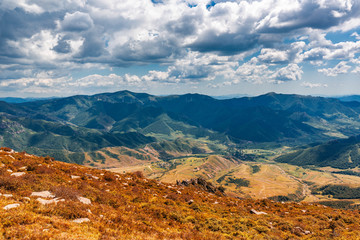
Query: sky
219	47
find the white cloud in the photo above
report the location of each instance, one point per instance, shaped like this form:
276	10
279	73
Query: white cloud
340	68
97	80
195	67
253	72
196	44
291	72
77	22
356	35
356	70
313	85
273	56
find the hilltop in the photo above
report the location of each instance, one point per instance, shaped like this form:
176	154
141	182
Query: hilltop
45	199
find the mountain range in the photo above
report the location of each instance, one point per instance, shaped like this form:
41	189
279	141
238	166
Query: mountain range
67	126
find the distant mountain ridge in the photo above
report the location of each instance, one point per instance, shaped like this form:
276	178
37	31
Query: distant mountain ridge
22	100
271	117
350	98
85	123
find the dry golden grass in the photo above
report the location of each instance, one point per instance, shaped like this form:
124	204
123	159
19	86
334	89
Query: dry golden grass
129	206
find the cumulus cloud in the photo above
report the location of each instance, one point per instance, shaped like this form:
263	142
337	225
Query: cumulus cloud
356	35
253	72
313	85
195	67
77	22
197	41
340	68
291	72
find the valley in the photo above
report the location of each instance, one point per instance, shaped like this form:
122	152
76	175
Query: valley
276	146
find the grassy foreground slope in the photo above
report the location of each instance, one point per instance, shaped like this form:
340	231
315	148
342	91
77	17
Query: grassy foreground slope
85	203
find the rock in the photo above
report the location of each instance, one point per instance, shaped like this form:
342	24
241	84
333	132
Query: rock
17	174
75	177
10	206
84	200
9	170
23	168
81	220
190	201
43	194
299	231
7	195
253	211
46	202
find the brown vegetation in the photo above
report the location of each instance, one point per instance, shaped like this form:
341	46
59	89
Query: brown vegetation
129	206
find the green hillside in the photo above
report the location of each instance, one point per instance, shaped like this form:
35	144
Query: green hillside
60	140
291	119
343	153
79	124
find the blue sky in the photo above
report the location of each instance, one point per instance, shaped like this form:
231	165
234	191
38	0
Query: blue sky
61	48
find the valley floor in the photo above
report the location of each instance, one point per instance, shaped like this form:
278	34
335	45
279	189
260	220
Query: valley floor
259	179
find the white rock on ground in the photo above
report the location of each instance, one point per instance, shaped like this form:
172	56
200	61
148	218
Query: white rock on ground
45	201
43	194
81	220
253	211
75	177
84	200
10	206
17	174
7	195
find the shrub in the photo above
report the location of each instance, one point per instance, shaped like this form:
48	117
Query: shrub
9	183
69	210
109	177
139	174
65	192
